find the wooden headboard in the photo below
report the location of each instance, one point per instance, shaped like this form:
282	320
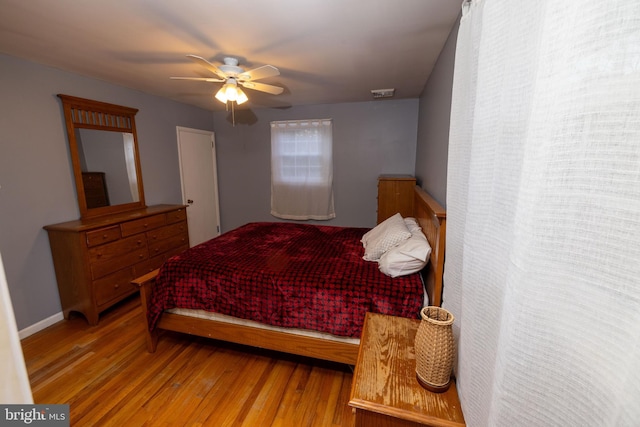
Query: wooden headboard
432	218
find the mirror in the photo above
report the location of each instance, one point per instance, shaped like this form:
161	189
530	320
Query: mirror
108	170
104	154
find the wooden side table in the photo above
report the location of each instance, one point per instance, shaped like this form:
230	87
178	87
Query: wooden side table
385	391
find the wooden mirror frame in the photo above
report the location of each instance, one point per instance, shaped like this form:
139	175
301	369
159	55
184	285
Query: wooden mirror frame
80	113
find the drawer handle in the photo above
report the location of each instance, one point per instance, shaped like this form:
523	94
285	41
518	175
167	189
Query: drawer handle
116	286
141	256
105	236
98	255
146	225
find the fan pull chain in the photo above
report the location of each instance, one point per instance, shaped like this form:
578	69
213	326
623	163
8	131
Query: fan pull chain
233	115
233	112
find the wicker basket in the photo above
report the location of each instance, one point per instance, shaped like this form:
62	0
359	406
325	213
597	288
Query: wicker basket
434	349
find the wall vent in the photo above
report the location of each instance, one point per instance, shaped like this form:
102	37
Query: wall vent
382	93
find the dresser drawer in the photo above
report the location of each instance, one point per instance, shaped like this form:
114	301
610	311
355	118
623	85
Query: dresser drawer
166	232
175	251
141	225
112	250
156	262
113	286
147	266
103	235
165	245
102	268
92	180
177	215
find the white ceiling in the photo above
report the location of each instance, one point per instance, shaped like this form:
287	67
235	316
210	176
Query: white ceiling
327	51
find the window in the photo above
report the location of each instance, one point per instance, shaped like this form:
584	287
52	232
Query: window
302	169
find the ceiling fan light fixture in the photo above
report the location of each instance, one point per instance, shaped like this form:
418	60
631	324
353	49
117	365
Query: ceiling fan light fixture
220	95
234	76
231	90
242	97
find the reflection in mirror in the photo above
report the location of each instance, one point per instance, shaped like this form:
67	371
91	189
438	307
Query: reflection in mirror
107	161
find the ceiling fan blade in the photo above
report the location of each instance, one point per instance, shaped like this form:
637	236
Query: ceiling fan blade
260	73
201	79
262	87
208	65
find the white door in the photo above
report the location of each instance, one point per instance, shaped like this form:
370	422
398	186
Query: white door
199	177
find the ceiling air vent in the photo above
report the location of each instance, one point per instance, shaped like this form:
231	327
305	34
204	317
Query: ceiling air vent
382	93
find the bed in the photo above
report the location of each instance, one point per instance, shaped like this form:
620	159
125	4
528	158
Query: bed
286	335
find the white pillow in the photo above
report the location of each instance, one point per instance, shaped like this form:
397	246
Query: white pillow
384	236
412	224
408	257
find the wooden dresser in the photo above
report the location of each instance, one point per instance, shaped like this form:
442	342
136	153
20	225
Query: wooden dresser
384	389
95	259
395	194
95	189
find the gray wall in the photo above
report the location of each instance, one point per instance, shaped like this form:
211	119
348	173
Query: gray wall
369	139
36	178
433	126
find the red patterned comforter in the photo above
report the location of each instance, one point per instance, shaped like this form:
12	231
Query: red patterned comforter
285	274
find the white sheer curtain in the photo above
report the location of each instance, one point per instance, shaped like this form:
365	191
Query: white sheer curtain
302	169
543	212
130	160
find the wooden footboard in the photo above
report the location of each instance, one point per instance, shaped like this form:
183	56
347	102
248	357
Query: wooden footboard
335	351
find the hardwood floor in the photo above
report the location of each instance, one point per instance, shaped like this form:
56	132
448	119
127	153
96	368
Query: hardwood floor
107	377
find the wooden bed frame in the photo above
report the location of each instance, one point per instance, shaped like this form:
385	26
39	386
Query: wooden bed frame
431	217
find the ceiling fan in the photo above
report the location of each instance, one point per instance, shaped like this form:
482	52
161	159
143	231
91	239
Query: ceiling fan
234	76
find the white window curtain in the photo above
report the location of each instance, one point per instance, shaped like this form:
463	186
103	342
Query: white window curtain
130	160
302	169
543	213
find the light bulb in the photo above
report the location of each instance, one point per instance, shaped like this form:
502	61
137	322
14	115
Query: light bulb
220	96
231	92
242	97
